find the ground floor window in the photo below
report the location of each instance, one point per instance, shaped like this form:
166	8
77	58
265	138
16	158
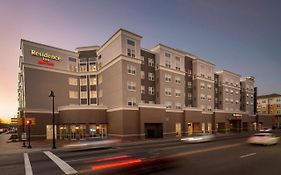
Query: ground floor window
82	131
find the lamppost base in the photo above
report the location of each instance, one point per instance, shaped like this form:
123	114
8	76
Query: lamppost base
23	144
54	147
29	147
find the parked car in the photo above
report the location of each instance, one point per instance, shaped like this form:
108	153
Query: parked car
263	139
198	138
265	130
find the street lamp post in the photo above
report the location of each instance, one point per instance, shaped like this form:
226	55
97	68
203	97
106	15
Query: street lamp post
28	122
52	94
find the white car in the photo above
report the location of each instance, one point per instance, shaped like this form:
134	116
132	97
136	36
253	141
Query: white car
265	130
198	138
263	139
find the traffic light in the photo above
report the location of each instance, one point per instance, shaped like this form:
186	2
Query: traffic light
28	122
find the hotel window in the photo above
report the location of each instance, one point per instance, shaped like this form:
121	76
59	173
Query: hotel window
168	60
72	81
92	67
202	85
247	103
178	105
142	59
151	102
93	80
203	107
73	94
178	63
252	96
151	90
150	62
131	48
189	72
84	101
168	104
189	84
226	90
202	96
93	101
100	93
231	100
150	76
226	100
131	69
131	86
142	75
83	81
132	101
178	80
236	101
209	97
142	90
99	79
209	108
177	93
231	91
216	90
189	96
247	95
93	94
236	92
83	95
83	67
209	86
168	78
168	92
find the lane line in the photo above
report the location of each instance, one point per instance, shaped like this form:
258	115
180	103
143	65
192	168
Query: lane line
27	165
67	169
206	150
247	155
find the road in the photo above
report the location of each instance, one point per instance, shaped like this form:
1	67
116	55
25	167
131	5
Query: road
222	156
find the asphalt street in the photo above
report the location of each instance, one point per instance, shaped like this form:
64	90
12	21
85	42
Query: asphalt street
229	155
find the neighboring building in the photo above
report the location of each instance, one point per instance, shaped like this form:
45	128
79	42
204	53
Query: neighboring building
247	94
120	89
269	109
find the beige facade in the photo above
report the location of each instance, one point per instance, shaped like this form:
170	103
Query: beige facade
247	94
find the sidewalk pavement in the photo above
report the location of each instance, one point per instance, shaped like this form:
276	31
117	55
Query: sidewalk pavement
39	145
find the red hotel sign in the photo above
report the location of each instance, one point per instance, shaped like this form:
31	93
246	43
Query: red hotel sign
46	57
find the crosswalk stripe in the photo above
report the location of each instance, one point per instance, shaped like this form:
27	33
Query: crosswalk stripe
67	169
27	165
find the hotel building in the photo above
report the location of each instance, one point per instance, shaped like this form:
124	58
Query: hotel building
120	89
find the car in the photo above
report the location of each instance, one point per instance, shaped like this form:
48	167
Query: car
265	130
198	138
263	139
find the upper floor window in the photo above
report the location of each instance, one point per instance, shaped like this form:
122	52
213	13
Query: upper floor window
83	81
178	63
73	94
132	101
168	92
131	69
142	59
168	78
189	72
150	76
151	90
178	80
150	62
168	104
131	52
142	75
178	93
72	81
178	105
189	84
130	42
142	90
131	86
93	80
168	60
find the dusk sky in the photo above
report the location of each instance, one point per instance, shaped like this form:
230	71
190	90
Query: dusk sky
243	36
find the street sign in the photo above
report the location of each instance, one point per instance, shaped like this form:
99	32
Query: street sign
23	136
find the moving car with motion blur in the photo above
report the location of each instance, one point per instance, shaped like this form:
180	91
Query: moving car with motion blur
265	130
198	138
263	139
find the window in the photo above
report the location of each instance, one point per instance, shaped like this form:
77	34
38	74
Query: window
209	97
150	62
209	108
142	59
93	80
83	95
178	80
168	92
131	52
178	93
189	84
252	96
142	90
247	95
226	100
178	63
168	104
202	85
100	93
83	81
92	67
189	72
131	86
83	67
209	86
178	105
84	101
226	90
150	76
72	81
93	94
132	101
231	91
100	79
202	96
168	60
151	102
131	69
73	94
231	101
130	42
189	96
236	101
151	90
203	108
142	75
168	78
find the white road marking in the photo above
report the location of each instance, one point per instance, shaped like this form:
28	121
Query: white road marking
247	155
67	169
27	165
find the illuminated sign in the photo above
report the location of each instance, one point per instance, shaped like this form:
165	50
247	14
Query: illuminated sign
45	56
